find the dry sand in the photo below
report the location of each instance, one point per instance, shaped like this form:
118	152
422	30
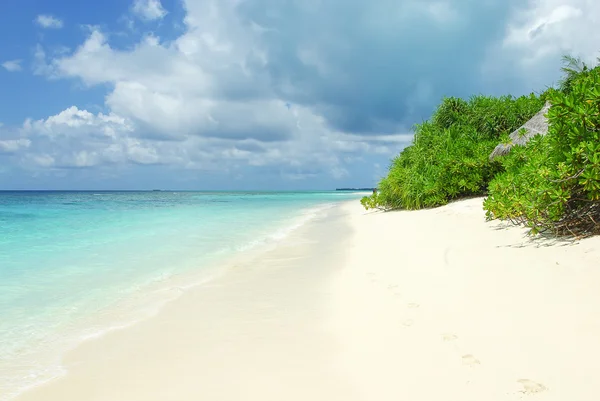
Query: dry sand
429	305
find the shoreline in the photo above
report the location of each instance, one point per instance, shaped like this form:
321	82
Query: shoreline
429	305
147	302
269	281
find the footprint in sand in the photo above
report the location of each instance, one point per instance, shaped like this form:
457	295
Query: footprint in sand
413	305
449	337
531	387
470	360
408	323
394	290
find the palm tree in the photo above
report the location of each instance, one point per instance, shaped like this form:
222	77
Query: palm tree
573	67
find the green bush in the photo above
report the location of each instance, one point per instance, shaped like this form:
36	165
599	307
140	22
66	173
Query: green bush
449	156
553	183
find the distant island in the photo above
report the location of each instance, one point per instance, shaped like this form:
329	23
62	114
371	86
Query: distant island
355	189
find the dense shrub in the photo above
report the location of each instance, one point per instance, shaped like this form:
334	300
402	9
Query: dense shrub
449	154
553	183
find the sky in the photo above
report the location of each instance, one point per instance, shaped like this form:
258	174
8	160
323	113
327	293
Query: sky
255	94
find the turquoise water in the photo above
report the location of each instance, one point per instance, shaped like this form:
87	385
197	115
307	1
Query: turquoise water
66	258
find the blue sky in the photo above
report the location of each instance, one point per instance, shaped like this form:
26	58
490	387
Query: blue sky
255	94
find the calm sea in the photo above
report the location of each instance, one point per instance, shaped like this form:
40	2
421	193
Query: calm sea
66	258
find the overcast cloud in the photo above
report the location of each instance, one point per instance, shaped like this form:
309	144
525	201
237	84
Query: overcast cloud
321	91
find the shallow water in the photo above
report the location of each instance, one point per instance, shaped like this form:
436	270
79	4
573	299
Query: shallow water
66	258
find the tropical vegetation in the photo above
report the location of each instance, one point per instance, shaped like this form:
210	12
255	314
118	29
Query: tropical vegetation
550	184
449	155
553	183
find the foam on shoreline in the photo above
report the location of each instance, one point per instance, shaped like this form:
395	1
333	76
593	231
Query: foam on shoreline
143	302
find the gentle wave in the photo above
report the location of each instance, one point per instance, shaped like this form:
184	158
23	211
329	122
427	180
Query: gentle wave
82	265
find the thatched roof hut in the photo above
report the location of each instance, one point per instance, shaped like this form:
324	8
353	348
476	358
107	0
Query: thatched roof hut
537	125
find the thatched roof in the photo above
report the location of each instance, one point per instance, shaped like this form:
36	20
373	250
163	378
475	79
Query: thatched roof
537	125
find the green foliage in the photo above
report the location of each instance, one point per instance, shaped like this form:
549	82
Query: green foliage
449	156
553	183
550	184
522	132
370	202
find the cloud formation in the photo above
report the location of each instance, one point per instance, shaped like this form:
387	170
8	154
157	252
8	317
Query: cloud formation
536	35
48	21
75	139
12	65
309	89
149	10
13	145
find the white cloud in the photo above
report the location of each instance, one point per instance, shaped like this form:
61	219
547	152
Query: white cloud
42	64
12	65
550	26
539	32
174	93
76	138
245	87
216	79
48	21
205	100
149	10
13	145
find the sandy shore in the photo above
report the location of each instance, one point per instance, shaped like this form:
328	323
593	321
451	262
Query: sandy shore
429	305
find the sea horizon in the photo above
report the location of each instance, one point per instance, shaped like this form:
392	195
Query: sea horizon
358	189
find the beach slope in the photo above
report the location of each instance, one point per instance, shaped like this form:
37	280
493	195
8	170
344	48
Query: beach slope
428	305
441	305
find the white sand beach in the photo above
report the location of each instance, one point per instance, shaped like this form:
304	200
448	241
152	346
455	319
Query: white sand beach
421	306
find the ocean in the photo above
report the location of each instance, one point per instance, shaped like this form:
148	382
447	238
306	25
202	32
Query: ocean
76	264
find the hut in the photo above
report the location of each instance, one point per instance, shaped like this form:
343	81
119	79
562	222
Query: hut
537	125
